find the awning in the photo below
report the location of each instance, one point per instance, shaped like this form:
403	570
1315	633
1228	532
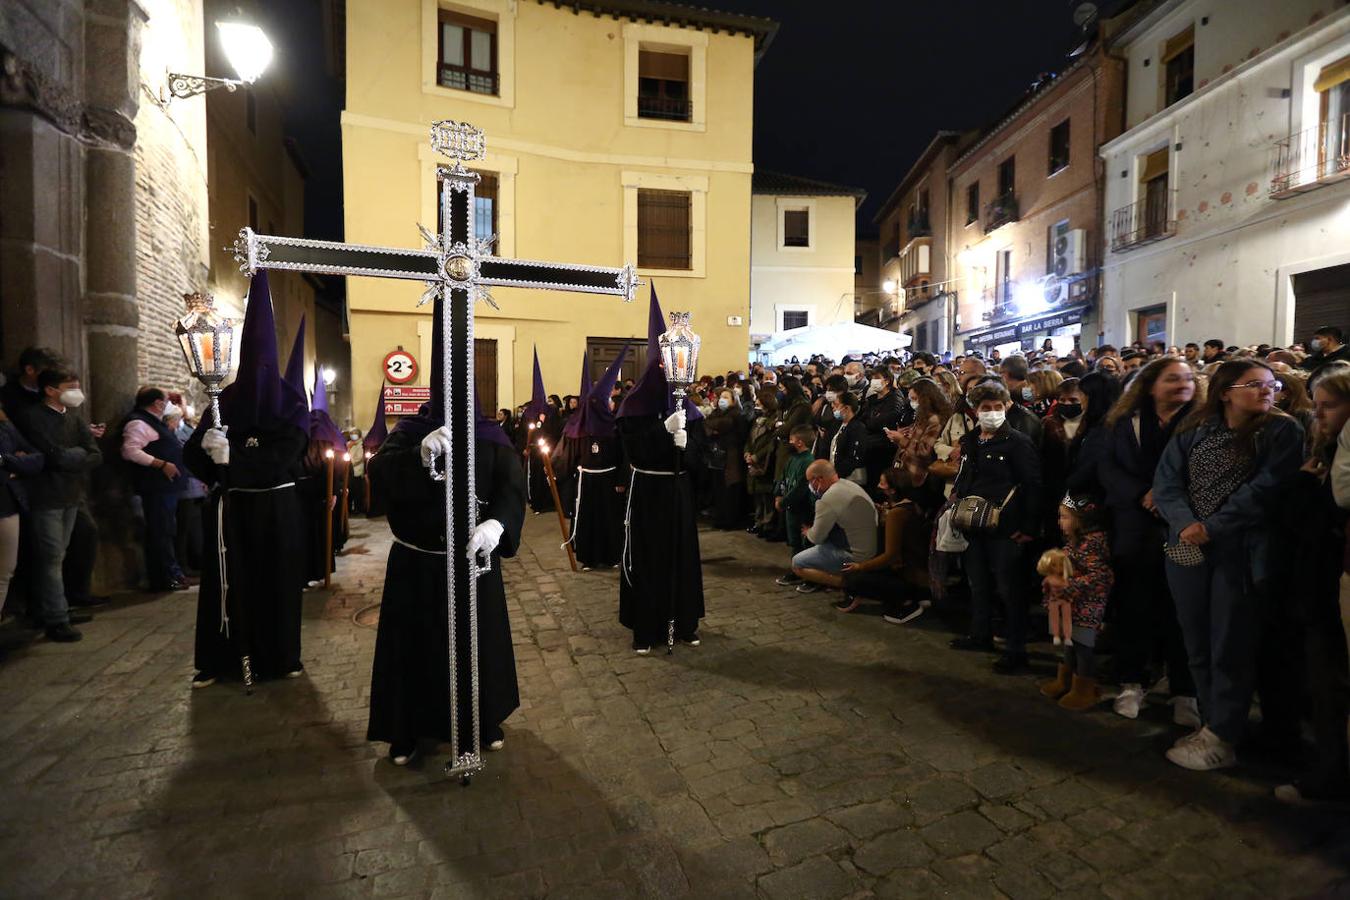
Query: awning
1017	330
1333	74
1178	44
1155	165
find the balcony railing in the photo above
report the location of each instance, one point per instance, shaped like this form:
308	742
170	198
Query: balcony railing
1148	220
918	227
1312	158
672	109
1000	211
465	79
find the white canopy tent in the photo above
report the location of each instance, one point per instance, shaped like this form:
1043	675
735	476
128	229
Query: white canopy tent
835	341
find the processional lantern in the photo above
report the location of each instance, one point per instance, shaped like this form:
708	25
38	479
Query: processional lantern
679	355
207	340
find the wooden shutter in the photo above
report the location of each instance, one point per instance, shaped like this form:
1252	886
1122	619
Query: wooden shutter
796	228
1155	165
665	66
1178	43
663	229
1333	74
1321	297
485	373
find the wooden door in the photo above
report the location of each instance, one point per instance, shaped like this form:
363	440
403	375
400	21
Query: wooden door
602	352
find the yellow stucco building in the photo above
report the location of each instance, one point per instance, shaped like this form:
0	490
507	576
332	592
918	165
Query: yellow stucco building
616	132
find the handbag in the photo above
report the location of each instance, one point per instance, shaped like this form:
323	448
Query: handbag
949	540
1188	555
978	514
715	457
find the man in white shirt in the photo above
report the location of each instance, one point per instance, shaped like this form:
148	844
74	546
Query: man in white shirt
844	530
156	458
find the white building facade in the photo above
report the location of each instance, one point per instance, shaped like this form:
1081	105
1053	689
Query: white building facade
802	253
1227	198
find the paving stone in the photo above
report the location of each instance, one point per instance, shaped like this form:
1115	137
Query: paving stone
898	849
964	832
813	837
868	819
818	879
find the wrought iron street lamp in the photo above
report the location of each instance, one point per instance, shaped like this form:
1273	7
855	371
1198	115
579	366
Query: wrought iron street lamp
679	355
249	52
207	340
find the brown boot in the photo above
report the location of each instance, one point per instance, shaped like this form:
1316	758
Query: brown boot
1059	686
1084	695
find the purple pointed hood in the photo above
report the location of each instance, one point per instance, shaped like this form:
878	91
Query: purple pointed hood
258	398
595	418
320	392
378	429
295	366
431	415
538	404
574	420
651	395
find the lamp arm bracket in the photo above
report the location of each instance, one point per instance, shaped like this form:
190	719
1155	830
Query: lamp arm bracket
185	86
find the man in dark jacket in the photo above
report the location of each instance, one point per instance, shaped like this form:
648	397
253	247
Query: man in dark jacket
19	460
884	408
156	460
1019	417
69	453
1327	346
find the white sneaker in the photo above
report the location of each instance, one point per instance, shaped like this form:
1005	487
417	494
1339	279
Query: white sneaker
1162	686
497	745
1202	752
1128	701
1186	712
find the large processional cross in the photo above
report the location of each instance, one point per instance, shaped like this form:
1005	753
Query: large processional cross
460	267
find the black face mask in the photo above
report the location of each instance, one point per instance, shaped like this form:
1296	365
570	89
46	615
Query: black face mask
1069	410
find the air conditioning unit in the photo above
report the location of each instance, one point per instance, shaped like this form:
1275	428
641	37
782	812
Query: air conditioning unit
1056	291
1071	252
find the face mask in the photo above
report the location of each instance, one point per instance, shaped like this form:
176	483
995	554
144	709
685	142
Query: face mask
992	421
830	396
171	410
72	398
736	391
855	380
877	385
839	414
1070	410
914	404
1318	345
1028	392
814	493
723	403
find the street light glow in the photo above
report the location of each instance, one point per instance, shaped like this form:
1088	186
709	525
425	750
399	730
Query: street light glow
329	375
247	48
888	286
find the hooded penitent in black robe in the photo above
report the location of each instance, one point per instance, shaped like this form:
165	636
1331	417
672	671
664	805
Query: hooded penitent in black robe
661	576
549	429
263	525
600	475
409	689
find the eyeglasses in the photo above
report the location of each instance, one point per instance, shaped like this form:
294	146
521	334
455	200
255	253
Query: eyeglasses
1273	386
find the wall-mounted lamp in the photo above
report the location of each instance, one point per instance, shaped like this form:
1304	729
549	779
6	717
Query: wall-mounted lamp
248	50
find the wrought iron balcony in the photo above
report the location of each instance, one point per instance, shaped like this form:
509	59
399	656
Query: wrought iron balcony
1000	211
917	226
1143	222
465	79
672	109
1311	158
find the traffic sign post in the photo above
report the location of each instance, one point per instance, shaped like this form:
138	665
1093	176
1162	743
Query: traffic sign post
400	366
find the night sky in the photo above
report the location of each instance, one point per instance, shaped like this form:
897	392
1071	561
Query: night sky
851	91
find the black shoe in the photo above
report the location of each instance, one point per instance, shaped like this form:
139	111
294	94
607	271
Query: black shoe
690	639
966	642
63	634
753	529
203	680
80	618
789	579
87	602
640	648
1011	663
903	614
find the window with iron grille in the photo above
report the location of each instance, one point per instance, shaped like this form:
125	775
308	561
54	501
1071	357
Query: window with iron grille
663	220
484	208
796	228
1059	146
467	56
972	202
663	86
796	318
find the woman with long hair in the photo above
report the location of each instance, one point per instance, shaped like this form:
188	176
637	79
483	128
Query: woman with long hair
915	442
759	460
1075	440
950	386
1136	431
1217	487
1316	530
722	458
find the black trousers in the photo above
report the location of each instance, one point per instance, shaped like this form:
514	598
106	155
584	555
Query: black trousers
77	571
886	585
188	540
1328	674
1147	628
161	532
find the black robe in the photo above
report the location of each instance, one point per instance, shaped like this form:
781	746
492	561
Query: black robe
662	571
265	551
409	687
314	505
541	497
597	527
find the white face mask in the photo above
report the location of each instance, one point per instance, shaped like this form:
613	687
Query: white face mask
171	409
877	384
723	403
830	396
1318	345
913	404
993	421
72	398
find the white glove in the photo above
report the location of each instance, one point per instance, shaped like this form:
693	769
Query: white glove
434	445
675	421
681	438
217	446
485	538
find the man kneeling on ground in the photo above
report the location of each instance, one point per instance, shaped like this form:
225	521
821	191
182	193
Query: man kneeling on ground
844	530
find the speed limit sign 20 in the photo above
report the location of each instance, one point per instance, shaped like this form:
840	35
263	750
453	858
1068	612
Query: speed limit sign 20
400	366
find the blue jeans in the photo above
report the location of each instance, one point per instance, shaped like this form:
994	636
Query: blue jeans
161	530
51	537
824	557
1219	614
994	571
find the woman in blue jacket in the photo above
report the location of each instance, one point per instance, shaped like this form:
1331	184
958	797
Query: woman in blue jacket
1217	486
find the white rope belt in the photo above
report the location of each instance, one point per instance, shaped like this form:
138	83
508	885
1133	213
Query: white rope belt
628	519
582	471
419	549
220	548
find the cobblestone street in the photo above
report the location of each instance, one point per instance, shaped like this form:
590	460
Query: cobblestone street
796	753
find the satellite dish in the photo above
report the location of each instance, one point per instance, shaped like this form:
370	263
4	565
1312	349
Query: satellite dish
1084	13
